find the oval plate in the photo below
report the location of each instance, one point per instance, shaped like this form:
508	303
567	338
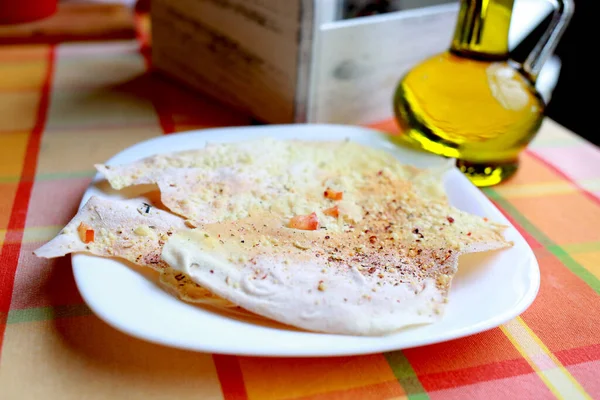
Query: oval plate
490	288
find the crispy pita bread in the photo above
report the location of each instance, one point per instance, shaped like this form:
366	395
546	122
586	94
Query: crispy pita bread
390	269
325	236
225	182
133	230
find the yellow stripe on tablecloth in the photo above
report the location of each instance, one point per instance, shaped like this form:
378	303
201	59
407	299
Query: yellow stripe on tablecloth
590	261
41	234
546	188
12	153
550	370
536	189
34	234
83	357
587	247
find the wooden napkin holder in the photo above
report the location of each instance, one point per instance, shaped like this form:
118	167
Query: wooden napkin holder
290	61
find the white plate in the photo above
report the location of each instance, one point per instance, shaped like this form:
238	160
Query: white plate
490	288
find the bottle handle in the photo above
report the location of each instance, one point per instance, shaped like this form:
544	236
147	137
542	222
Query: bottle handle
563	11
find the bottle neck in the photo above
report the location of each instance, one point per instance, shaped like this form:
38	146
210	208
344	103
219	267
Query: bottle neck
482	29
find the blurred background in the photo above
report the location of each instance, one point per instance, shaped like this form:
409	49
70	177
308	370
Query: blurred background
569	104
564	79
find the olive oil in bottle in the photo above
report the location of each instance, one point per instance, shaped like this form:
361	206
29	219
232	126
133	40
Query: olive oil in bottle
474	103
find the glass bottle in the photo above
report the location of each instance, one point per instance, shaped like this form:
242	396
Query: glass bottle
473	102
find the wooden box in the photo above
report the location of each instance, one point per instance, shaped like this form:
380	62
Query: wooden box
288	61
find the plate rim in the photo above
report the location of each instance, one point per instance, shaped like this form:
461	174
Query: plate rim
77	259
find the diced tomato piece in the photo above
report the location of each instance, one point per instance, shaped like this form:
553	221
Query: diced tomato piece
333	195
332	212
86	234
305	222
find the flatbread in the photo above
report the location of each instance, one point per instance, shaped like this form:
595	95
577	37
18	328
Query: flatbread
225	182
391	268
326	236
133	230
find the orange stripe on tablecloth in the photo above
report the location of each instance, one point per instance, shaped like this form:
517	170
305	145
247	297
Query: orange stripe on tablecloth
388	125
9	255
532	241
560	173
384	390
19	53
231	378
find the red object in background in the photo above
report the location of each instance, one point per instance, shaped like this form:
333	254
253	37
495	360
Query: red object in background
19	11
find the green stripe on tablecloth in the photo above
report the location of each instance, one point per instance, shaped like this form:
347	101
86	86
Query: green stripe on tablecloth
555	249
406	376
577	268
65	175
47	313
574	248
520	218
51	176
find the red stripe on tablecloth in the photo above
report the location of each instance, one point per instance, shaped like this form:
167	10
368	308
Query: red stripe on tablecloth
9	254
228	367
578	355
164	116
560	173
230	376
472	375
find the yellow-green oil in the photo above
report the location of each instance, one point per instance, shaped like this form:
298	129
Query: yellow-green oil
471	102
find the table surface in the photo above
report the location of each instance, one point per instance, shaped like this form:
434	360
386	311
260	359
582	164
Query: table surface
64	108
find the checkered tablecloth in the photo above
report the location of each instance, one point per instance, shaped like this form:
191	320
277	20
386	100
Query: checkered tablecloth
64	108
